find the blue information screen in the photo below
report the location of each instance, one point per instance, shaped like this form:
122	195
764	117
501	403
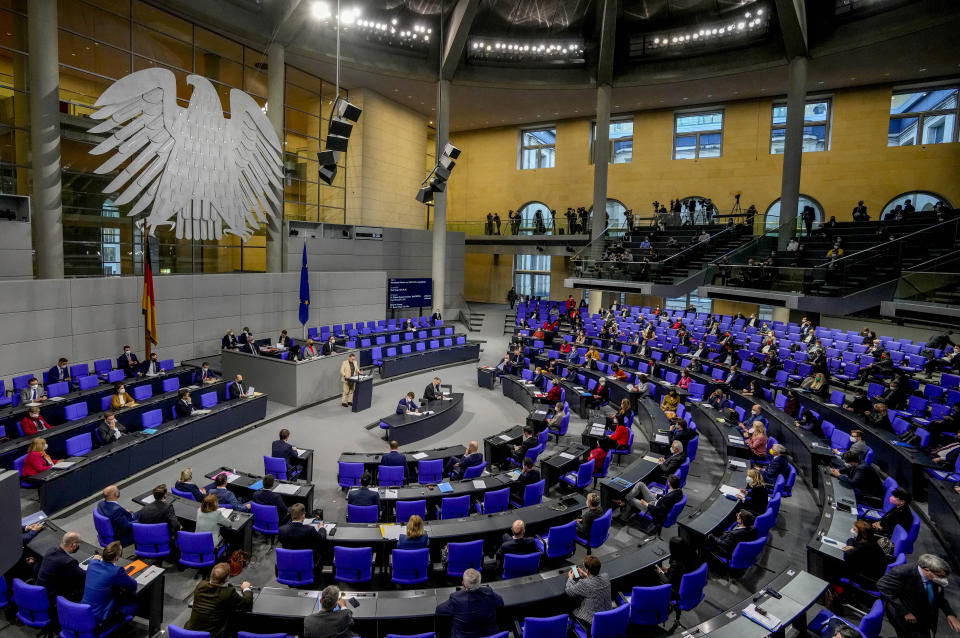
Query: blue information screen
409	293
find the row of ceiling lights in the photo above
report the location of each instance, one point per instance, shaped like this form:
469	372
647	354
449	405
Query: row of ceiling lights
750	21
322	11
535	48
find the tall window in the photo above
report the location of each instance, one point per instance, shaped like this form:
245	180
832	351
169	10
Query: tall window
615	214
531	275
816	127
528	219
698	134
923	117
773	212
621	141
920	200
538	148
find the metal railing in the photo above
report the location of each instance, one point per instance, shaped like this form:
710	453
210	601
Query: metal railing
928	286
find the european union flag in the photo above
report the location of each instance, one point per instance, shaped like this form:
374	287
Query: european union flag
304	289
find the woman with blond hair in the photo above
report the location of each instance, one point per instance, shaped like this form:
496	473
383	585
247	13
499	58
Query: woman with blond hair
754	495
37	458
756	439
186	484
415	537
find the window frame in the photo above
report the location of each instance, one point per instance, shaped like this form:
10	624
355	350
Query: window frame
522	148
923	115
611	142
530	274
688	112
827	122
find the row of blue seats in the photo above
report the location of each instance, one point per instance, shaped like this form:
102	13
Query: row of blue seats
367	328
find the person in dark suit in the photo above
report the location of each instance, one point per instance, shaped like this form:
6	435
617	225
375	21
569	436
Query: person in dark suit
159	511
754	496
728	541
863	560
408	324
394	457
236	388
121	519
128	362
516	542
334	618
363	495
433	392
217	605
60	573
435	317
151	367
225	496
330	347
656	507
528	443
408	404
59	372
593	512
186	484
107	588
670	464
282	450
110	429
284	340
206	375
679	431
778	465
251	346
913	594
528	475
900	514
457	465
245	336
229	341
860	476
184	406
473	608
298	535
266	496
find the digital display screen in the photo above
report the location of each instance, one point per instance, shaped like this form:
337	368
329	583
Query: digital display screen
409	293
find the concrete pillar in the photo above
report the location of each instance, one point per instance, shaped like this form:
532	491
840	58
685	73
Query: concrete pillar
439	268
601	160
792	149
46	205
275	85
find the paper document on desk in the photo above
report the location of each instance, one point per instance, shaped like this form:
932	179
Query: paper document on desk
392	532
390	493
505	437
420	455
769	622
598	430
734	439
832	541
57	398
729	490
661	438
567	455
540	412
479	485
200	412
62	465
706	405
193	387
738	463
148	574
285	488
653	459
231	477
225	511
301	452
146	500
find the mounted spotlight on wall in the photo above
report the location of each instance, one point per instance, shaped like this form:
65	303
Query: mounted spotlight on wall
436	181
343	116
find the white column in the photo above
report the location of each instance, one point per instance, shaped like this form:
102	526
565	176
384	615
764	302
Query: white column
275	96
792	149
439	266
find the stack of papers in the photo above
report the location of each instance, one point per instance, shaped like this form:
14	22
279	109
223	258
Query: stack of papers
598	430
567	455
301	452
729	490
653	459
284	488
769	622
506	437
478	484
738	463
62	465
231	477
420	455
390	493
540	412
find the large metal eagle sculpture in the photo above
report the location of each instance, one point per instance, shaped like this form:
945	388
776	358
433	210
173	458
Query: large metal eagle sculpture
189	168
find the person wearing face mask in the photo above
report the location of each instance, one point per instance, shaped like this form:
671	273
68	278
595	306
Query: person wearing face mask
206	374
152	367
863	559
128	362
60	573
229	341
900	514
33	422
59	372
309	350
754	495
330	346
184	406
110	429
121	399
284	340
913	596
37	458
33	393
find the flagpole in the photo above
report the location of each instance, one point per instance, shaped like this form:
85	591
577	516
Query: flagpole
146	256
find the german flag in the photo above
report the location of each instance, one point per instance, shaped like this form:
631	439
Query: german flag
149	303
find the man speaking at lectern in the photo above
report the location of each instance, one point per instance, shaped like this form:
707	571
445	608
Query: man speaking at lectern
348	368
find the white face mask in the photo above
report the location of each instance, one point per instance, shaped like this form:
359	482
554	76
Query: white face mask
126	352
122	391
45	446
940	581
853	533
749	480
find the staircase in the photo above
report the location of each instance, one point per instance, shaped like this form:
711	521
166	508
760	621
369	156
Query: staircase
472	319
509	321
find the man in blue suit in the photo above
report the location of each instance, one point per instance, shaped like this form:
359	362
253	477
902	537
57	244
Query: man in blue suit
266	496
395	458
128	362
474	608
778	465
407	405
108	590
456	466
236	388
280	449
364	495
225	496
121	519
58	372
60	573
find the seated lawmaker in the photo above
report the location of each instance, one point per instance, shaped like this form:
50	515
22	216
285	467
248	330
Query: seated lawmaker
186	484
395	458
861	477
473	608
183	406
456	466
110	429
669	465
33	392
591	590
408	404
754	495
151	366
129	363
37	459
284	340
756	439
109	591
516	542
778	465
593	512
670	402
299	535
309	350
330	347
60	573
159	511
363	495
281	449
33	422
266	496
641	499
433	392
216	604
621	435
121	519
864	562
211	519
528	442
528	476
59	372
899	515
236	388
334	619
225	497
744	531
945	456
229	341
414	536
120	398
557	416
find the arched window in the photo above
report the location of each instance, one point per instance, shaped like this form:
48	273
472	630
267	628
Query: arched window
615	211
921	200
528	218
773	212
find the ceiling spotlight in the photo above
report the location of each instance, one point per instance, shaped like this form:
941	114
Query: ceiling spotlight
741	25
656	40
759	12
320	10
393	22
746	15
